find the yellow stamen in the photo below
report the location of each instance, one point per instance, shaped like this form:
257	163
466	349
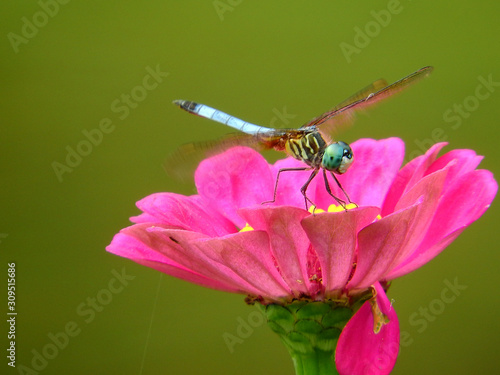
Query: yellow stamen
315	210
339	208
246	228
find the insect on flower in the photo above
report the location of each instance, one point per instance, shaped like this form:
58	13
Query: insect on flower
320	279
311	143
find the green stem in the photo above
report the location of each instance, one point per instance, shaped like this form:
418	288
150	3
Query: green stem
318	362
310	331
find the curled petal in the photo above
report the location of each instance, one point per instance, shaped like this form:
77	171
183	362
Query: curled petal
428	190
419	258
360	350
408	176
458	163
462	204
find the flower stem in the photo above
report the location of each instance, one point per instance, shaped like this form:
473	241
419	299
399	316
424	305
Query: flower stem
310	331
318	362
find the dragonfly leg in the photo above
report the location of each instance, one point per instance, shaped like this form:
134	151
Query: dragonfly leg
329	191
341	188
303	189
278	178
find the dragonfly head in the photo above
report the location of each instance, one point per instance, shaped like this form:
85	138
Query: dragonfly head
337	158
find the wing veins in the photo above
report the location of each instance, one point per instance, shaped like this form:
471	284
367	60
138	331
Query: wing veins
344	112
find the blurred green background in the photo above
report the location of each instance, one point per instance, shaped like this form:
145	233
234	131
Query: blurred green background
253	59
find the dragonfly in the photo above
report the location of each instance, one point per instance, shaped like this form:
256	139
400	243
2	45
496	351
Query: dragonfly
311	144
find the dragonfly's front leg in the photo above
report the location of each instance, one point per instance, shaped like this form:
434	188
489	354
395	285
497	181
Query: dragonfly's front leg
287	170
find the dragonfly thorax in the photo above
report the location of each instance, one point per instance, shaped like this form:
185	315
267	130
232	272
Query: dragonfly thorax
337	157
308	148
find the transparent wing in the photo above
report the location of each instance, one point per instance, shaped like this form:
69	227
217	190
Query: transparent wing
343	114
361	94
182	162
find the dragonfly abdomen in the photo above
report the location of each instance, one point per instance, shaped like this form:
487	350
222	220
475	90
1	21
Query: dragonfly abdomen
308	148
203	110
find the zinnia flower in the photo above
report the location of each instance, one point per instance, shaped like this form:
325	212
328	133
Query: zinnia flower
312	272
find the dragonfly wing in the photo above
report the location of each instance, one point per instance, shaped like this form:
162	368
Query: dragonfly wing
182	162
343	114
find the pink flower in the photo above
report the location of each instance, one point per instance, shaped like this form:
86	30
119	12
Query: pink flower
405	218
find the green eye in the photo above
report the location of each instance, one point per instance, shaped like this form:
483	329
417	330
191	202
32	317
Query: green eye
332	156
337	157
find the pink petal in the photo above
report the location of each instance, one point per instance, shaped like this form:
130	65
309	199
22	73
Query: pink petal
464	161
464	202
359	350
188	275
429	190
237	178
333	237
289	243
408	176
378	245
248	255
182	212
181	246
422	257
376	164
129	245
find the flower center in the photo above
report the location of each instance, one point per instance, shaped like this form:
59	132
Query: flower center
332	208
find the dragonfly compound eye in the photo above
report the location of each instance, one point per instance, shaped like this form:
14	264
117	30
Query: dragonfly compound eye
337	157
